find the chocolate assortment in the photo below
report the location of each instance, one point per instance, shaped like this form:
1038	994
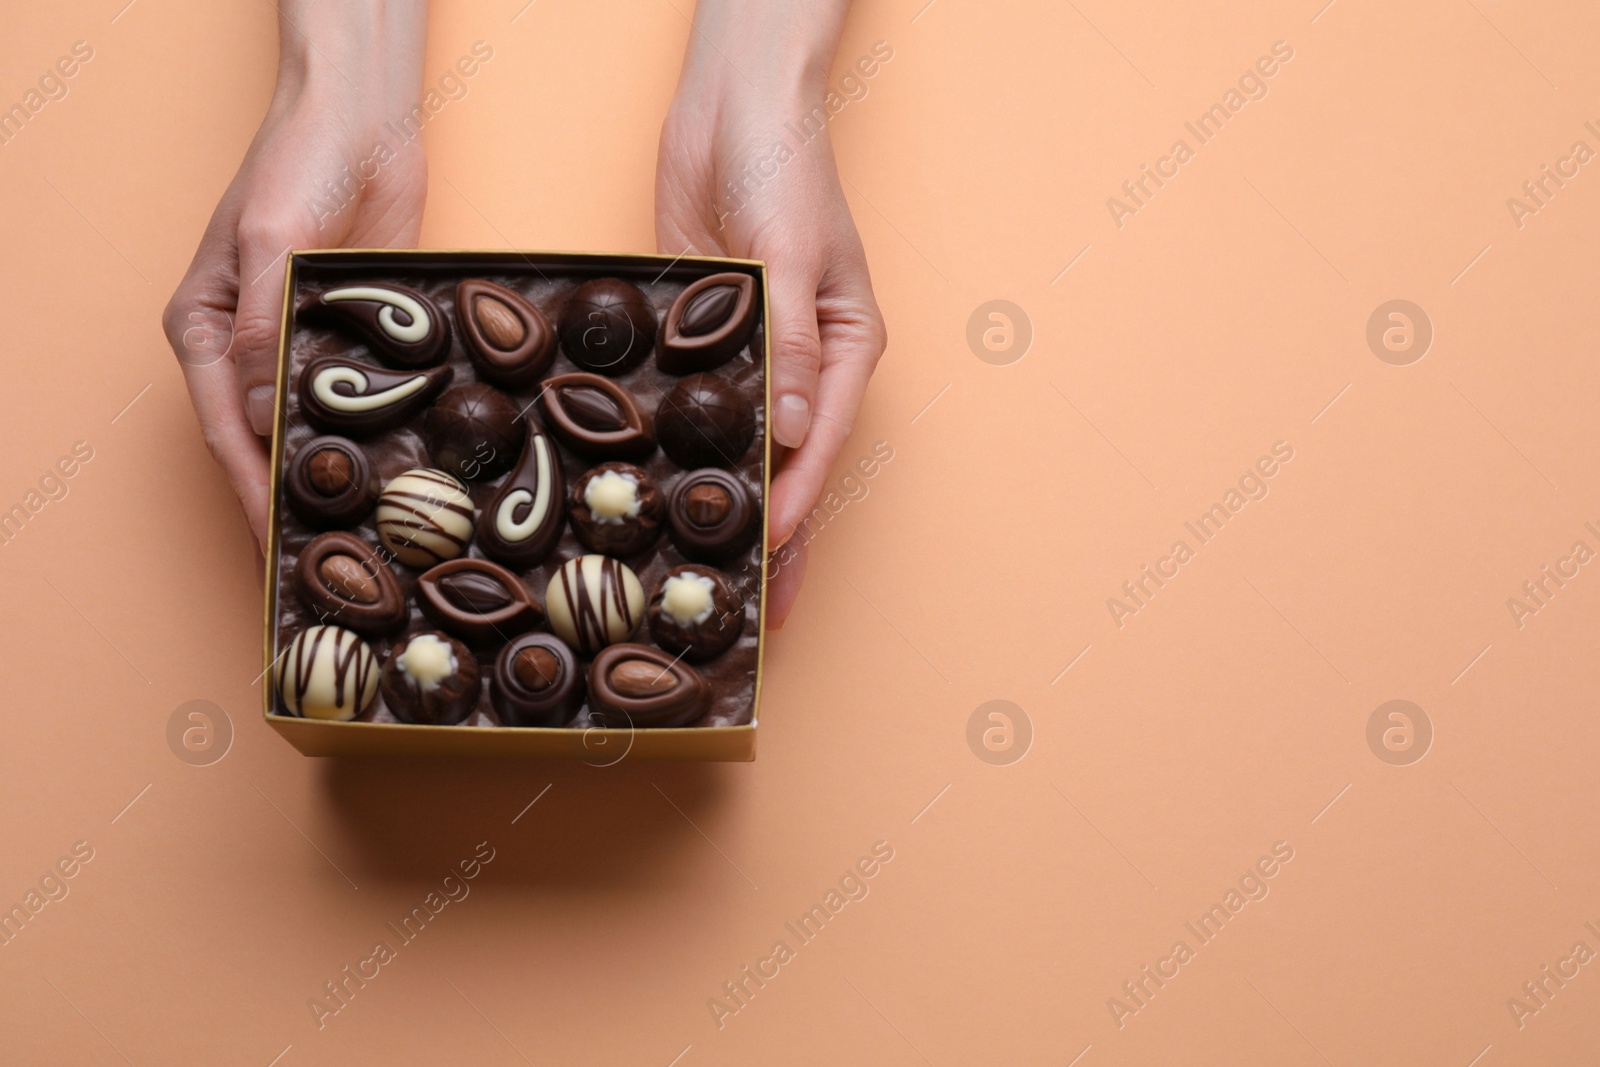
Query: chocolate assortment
520	492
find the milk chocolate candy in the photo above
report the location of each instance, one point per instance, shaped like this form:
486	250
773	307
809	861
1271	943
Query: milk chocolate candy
341	578
508	340
636	685
430	678
596	417
712	515
327	672
607	326
695	613
523	520
329	482
616	509
536	682
343	395
477	600
708	324
402	326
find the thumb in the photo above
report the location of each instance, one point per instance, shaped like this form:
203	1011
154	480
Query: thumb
796	348
265	238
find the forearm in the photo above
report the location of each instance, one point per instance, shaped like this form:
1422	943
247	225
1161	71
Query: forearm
369	51
780	48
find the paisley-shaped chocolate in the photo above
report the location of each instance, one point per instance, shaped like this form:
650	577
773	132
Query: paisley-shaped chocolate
636	685
607	325
341	578
403	326
509	342
596	417
536	682
712	516
327	672
695	613
425	517
476	600
432	679
344	396
594	601
522	521
616	509
708	324
330	483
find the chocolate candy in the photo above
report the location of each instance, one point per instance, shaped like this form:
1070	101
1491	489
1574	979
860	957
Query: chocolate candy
509	342
695	613
607	326
536	682
330	483
596	417
425	517
474	431
709	322
346	396
342	579
403	326
636	685
616	509
477	600
522	521
327	672
432	679
594	601
705	421
712	516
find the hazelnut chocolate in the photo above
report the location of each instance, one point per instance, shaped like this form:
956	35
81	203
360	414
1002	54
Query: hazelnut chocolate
522	522
712	515
607	326
430	678
705	421
327	672
341	578
343	395
536	682
473	431
636	685
477	600
508	340
329	483
402	326
695	613
616	509
708	324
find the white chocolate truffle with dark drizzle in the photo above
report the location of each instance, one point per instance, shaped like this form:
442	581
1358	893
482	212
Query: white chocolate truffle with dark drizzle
425	517
594	601
327	672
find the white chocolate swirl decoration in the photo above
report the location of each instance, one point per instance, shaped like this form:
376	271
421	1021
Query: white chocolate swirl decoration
425	517
511	530
359	400
420	325
594	601
327	672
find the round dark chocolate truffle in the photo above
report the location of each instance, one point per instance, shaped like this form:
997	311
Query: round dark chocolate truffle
474	432
536	682
705	421
430	678
607	326
712	516
330	483
616	509
695	613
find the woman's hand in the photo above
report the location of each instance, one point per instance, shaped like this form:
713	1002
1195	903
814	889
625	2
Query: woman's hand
725	187
325	170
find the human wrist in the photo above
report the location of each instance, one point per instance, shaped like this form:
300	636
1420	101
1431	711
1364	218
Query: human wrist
778	50
360	53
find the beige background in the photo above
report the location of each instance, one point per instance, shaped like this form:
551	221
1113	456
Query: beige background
1227	715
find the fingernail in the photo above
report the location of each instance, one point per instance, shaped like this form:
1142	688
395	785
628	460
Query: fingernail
260	410
790	420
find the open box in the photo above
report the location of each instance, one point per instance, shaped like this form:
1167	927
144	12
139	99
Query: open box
545	279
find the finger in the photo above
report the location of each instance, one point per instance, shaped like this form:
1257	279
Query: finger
786	572
242	455
796	346
266	235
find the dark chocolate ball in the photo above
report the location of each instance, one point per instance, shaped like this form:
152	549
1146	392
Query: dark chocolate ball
474	432
430	678
536	682
705	421
616	509
607	326
330	483
712	515
695	613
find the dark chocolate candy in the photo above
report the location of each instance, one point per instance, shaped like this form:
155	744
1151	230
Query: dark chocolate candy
607	326
508	340
596	417
474	431
341	578
343	395
637	685
594	601
616	509
330	483
536	682
705	421
479	601
425	517
403	326
712	516
327	672
432	679
523	520
695	613
708	324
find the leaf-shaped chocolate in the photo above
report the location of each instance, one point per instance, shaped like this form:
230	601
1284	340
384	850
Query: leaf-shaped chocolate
596	417
638	685
709	323
344	396
341	578
523	520
403	326
478	601
509	342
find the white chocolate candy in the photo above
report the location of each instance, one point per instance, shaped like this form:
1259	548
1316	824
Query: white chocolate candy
328	672
425	517
428	660
420	321
687	598
594	601
612	497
